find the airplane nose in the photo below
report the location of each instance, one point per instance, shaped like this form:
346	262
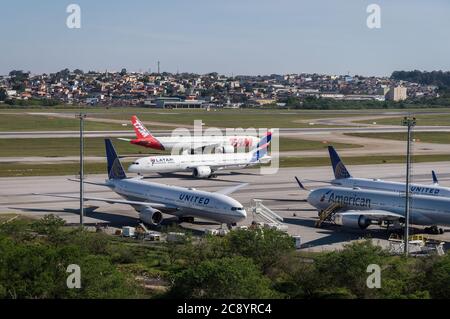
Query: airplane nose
309	199
132	168
244	214
313	198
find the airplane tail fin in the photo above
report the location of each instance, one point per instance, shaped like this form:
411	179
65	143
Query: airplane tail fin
143	136
139	128
115	168
339	169
261	148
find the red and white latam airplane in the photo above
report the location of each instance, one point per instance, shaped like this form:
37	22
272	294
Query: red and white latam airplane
220	144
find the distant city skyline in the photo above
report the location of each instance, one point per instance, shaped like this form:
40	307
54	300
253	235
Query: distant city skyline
253	37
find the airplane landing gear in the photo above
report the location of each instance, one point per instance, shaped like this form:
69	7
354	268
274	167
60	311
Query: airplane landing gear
434	230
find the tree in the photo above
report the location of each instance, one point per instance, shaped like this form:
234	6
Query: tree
438	278
230	277
264	246
3	95
348	268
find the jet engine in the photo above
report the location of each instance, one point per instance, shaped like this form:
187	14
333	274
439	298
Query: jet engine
202	172
151	216
352	221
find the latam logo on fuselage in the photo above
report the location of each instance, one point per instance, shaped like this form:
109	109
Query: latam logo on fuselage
424	190
161	160
241	142
349	200
194	199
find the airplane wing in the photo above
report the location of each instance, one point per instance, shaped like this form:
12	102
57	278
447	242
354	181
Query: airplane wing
115	201
320	181
232	189
374	214
124	139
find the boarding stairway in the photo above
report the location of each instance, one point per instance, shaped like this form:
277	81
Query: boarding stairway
327	213
265	213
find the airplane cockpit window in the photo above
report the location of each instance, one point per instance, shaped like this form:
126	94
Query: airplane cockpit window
237	208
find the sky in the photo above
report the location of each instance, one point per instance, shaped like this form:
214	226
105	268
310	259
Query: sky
252	37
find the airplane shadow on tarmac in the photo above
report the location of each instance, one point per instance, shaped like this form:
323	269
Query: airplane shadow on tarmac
338	234
117	220
335	233
186	176
111	219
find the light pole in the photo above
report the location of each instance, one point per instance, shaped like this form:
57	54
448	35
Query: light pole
409	123
81	116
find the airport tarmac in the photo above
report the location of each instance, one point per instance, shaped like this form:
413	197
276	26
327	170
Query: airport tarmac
279	192
286	132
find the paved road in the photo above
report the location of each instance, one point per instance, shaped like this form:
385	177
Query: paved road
279	192
288	132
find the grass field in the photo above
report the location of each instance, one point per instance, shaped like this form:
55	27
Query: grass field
427	137
227	118
26	122
360	160
223	118
17	170
294	144
244	118
422	120
54	147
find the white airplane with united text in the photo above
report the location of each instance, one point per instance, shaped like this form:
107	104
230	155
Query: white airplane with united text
151	200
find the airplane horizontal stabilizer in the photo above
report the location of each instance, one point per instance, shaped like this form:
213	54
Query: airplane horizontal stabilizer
88	182
232	189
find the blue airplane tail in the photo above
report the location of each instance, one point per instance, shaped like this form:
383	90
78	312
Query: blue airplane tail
115	169
261	148
339	169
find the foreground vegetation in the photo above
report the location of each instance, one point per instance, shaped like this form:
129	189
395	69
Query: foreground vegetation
243	264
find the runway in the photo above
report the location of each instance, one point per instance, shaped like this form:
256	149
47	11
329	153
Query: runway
279	192
287	132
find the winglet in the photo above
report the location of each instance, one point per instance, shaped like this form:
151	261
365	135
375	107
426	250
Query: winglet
300	184
435	179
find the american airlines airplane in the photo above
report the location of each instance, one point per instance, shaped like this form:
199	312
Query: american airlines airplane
150	200
220	144
203	165
344	179
359	208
